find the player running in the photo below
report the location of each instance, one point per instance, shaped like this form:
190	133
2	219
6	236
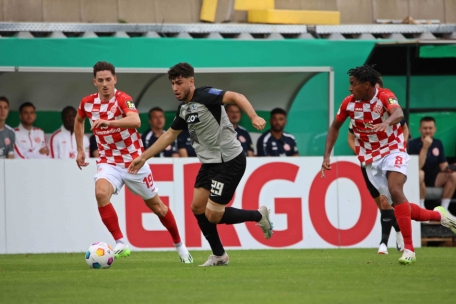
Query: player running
114	119
221	154
375	115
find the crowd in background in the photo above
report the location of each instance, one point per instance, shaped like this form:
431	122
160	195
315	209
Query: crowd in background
27	141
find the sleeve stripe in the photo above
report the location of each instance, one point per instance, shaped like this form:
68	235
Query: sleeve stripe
18	152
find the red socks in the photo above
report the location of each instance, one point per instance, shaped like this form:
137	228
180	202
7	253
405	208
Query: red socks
404	220
109	217
170	223
422	215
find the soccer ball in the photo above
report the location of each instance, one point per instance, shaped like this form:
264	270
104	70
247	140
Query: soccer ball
99	255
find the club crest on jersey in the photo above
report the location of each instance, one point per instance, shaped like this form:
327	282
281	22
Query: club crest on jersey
392	100
130	105
113	108
378	109
192	118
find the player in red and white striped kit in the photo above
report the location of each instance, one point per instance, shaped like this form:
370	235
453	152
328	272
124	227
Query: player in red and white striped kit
114	119
375	115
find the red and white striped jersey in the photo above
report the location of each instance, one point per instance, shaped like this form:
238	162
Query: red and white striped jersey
116	146
63	144
370	145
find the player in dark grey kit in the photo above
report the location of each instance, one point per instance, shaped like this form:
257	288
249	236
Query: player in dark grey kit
223	160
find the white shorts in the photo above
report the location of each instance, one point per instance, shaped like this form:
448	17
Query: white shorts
377	170
141	183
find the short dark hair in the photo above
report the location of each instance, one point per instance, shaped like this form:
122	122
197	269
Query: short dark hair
427	119
155	109
67	109
232	104
365	73
103	66
278	111
3	98
26	104
181	69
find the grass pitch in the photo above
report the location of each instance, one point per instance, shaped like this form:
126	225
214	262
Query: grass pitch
253	276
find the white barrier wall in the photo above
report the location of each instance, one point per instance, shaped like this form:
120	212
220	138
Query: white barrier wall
49	206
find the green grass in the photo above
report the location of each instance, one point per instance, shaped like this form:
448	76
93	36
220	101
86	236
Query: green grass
253	276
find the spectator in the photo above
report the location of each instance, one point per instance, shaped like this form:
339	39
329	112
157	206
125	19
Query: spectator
93	147
63	141
30	141
157	123
234	115
434	169
276	142
184	144
7	136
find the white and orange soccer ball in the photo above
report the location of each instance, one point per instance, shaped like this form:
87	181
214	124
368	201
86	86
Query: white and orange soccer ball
99	255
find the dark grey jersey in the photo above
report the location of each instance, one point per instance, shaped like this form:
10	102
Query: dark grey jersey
212	134
7	140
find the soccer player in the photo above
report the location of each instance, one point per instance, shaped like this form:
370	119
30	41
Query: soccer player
30	141
114	119
221	154
234	115
387	219
375	115
63	141
7	135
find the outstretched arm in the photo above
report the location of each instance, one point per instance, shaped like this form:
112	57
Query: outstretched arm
79	135
333	133
240	100
162	142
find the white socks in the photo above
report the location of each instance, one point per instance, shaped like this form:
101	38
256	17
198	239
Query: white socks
122	241
446	203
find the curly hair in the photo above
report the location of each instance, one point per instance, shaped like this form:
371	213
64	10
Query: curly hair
181	69
365	73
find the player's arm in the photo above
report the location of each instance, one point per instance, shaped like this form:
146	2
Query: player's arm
405	131
162	142
351	141
130	121
240	100
79	135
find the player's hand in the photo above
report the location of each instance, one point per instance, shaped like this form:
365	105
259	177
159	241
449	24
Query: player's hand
99	123
259	123
80	160
427	142
44	150
381	127
136	164
326	165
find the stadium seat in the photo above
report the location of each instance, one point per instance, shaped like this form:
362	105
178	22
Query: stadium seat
434	193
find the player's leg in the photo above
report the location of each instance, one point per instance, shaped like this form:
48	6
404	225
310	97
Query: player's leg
143	184
200	197
422	189
225	178
108	182
387	219
448	182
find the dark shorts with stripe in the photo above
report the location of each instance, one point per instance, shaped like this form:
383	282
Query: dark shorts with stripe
221	179
373	191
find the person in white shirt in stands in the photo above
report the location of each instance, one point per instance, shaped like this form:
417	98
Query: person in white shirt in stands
30	141
63	141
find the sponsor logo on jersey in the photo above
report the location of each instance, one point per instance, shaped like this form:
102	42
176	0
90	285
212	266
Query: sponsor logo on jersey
359	109
215	91
368	125
392	100
130	105
192	118
107	132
